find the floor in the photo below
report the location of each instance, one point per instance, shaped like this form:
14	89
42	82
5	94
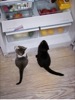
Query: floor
37	83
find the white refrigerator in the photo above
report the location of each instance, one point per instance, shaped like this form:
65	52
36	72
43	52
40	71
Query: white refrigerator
28	22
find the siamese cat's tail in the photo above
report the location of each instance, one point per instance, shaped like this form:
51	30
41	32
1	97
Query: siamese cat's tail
21	76
54	72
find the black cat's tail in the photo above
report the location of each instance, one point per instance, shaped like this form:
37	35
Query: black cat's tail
54	72
21	76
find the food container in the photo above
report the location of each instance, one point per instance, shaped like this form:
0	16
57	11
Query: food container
60	30
43	32
21	35
30	34
50	31
17	7
62	4
45	7
19	14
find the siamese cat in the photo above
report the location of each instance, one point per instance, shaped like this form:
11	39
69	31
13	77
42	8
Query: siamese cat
21	60
43	58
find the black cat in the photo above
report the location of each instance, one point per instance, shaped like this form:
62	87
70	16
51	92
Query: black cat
21	60
44	59
53	1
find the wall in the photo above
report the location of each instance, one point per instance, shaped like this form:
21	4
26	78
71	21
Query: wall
72	29
0	39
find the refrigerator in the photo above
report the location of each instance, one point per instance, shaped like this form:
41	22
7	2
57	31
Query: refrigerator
28	22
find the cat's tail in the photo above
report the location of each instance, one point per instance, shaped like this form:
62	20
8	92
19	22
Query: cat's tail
54	72
21	76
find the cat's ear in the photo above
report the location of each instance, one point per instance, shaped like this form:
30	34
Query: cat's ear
22	47
16	47
47	47
45	44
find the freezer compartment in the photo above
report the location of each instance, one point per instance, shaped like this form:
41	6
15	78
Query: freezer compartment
45	7
36	34
22	36
54	31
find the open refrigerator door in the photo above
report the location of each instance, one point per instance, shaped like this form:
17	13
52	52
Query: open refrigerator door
54	23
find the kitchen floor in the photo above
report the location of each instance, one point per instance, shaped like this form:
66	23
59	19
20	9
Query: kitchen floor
37	83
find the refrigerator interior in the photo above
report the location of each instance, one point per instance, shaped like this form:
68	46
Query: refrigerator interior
72	27
57	36
21	9
37	34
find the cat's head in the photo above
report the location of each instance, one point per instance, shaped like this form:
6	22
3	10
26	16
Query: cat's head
20	50
43	46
